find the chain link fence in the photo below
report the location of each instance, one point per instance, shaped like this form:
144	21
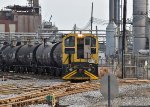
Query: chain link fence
135	66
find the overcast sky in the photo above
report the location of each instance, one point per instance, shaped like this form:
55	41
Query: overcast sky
66	13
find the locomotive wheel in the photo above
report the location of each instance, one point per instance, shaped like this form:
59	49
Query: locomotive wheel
5	69
16	69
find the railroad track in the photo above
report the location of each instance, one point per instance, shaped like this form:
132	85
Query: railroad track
133	81
17	89
39	96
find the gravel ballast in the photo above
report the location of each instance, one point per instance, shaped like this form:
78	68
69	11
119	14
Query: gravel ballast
129	95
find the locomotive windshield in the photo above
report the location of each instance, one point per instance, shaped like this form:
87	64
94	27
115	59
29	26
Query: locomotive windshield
80	48
87	41
93	42
93	45
70	41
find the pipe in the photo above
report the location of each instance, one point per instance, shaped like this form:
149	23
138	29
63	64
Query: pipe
117	12
111	10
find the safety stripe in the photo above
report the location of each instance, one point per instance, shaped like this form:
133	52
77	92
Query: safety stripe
90	75
80	78
70	74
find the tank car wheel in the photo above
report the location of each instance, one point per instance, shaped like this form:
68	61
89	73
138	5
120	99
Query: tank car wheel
57	72
3	69
6	69
22	70
53	72
45	71
36	72
48	71
26	69
16	69
19	70
40	71
30	70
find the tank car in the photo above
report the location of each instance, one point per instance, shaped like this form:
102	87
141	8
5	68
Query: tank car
1	57
25	58
34	58
49	57
9	57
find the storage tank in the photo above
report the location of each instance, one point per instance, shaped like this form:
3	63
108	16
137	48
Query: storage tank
26	54
49	55
111	42
28	23
35	3
111	45
139	24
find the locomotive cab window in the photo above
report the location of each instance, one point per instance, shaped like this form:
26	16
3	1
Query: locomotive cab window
93	42
87	40
80	48
70	41
93	46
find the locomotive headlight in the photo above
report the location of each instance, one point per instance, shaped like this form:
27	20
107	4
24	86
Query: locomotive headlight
70	69
80	36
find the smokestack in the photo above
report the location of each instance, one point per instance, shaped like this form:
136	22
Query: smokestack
111	10
117	12
111	33
35	3
36	6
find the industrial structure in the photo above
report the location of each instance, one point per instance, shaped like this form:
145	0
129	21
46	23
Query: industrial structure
25	22
135	57
21	18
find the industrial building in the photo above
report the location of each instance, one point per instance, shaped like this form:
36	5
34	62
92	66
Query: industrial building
18	18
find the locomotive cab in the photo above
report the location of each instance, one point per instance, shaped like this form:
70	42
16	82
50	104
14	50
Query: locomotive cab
80	57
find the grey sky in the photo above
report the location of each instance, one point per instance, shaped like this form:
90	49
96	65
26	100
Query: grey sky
66	13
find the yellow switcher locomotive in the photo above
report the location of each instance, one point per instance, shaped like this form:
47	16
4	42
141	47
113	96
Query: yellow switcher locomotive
80	57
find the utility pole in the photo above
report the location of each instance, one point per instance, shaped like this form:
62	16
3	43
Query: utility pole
92	18
123	36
